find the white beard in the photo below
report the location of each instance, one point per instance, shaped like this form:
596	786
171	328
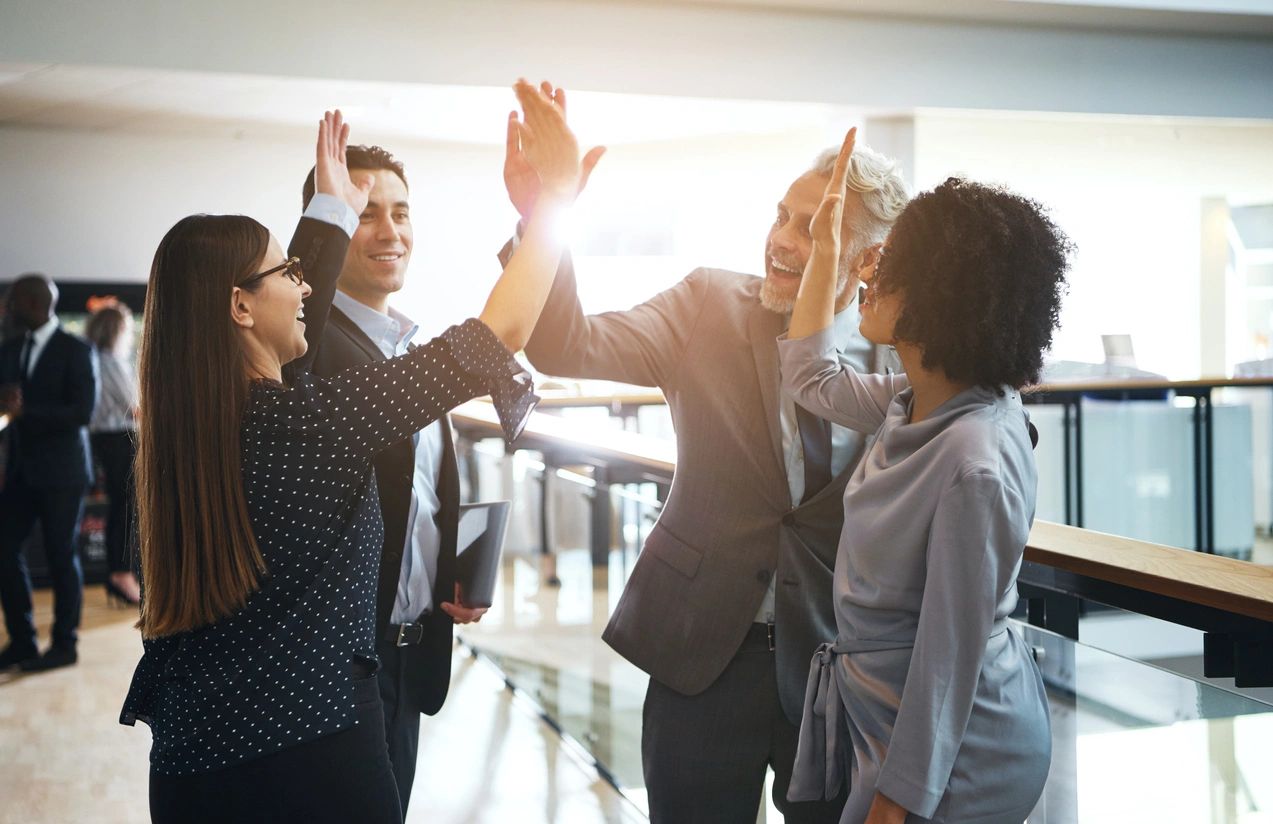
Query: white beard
774	301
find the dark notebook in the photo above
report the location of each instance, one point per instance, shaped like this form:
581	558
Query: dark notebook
479	542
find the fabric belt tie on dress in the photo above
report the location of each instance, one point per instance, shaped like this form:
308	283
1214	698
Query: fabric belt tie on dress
824	749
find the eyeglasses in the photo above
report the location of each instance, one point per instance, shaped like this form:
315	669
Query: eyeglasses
291	269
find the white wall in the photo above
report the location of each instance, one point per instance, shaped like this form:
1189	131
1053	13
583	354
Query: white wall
93	206
1129	194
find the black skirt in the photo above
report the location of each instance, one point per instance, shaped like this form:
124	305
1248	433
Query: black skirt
341	777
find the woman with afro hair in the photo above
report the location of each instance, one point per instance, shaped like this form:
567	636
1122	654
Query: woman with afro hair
928	704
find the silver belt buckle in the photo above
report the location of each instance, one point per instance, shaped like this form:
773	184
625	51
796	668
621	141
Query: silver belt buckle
402	631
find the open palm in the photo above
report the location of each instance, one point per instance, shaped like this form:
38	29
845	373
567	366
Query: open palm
331	172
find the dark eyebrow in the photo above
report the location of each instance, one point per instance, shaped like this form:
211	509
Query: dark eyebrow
401	204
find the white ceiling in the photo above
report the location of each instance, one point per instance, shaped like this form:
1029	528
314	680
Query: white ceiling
110	99
1246	18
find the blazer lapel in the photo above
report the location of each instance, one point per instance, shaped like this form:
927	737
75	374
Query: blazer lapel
342	322
763	328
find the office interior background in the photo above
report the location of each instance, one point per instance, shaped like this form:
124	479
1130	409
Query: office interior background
1145	125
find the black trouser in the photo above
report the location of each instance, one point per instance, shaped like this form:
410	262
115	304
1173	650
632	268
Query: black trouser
343	777
115	451
402	719
705	755
58	511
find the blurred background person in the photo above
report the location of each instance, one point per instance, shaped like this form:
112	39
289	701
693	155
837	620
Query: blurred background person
112	431
48	385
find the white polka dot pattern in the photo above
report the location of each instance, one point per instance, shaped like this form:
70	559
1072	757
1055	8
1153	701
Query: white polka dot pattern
277	673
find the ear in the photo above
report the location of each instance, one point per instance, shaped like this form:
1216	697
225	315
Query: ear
241	308
864	259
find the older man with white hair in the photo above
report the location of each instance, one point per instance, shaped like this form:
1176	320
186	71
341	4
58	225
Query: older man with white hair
732	593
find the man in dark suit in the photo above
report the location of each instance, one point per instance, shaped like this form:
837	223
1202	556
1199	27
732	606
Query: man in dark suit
48	387
419	600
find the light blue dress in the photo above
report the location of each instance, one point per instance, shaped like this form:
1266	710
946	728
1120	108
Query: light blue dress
927	694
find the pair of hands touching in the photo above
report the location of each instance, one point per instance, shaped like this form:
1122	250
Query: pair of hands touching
541	154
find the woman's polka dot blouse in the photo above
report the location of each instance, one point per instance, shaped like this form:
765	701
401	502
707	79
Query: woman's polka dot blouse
277	673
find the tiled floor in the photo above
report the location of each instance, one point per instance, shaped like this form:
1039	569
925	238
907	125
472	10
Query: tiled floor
487	757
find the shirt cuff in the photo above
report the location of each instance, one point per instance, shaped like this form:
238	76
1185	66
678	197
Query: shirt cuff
482	355
333	210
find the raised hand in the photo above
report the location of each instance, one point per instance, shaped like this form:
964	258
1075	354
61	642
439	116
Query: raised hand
815	302
827	220
331	173
520	177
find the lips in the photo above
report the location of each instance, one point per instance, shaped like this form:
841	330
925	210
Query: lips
782	269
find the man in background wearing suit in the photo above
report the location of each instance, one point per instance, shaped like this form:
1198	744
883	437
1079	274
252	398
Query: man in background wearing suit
48	387
419	600
732	591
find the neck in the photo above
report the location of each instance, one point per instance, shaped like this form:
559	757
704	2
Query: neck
372	300
259	364
930	387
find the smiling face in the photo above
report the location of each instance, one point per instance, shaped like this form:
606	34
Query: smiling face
376	263
788	245
275	306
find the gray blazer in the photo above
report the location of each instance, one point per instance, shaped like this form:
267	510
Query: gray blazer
728	525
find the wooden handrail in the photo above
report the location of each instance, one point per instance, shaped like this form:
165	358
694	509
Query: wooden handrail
1238	587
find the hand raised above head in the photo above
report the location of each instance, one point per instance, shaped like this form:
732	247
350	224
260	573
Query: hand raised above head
827	220
547	142
520	178
331	172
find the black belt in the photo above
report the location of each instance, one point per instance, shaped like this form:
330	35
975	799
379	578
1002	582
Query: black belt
404	635
760	636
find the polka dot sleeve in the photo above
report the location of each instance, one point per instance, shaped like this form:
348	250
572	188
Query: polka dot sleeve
376	404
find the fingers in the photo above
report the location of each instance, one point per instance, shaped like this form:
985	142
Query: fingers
588	163
840	172
511	143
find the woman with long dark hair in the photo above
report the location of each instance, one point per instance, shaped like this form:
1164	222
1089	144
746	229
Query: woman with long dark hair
929	705
112	433
260	528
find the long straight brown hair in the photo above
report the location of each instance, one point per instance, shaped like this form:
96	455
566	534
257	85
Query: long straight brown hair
199	558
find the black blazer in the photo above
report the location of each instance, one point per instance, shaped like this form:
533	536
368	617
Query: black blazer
341	344
48	443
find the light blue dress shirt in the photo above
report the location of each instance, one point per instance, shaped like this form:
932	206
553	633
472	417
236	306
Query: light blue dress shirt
392	333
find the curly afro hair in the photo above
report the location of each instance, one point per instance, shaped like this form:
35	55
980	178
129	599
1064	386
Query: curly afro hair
981	272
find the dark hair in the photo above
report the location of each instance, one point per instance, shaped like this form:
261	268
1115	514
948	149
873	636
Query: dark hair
365	158
105	326
199	557
981	272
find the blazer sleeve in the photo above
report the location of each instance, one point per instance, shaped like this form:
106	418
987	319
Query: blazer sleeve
817	380
321	247
74	408
976	541
644	345
366	408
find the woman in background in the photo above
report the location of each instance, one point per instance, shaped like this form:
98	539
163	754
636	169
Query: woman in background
112	431
938	699
259	520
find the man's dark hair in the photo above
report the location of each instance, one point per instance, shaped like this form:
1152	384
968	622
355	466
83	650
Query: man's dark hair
359	158
981	272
